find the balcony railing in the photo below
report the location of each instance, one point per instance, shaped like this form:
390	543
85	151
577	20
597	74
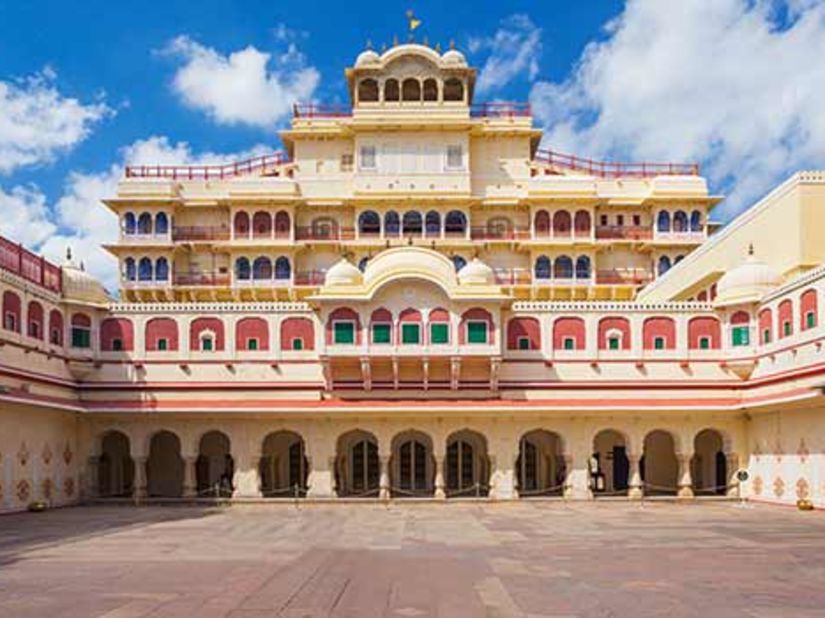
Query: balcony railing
624	232
513	276
202	278
614	169
310	277
483	233
501	109
207	172
637	276
332	234
581	234
320	110
200	232
17	259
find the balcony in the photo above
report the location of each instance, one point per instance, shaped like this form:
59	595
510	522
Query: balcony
582	235
513	276
202	279
312	278
637	276
623	232
614	169
16	259
501	109
484	233
495	109
680	237
330	234
200	233
261	165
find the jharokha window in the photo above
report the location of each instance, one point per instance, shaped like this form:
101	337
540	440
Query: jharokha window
476	331
439	333
410	334
381	332
343	332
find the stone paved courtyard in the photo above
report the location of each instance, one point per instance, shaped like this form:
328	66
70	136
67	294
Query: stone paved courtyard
519	559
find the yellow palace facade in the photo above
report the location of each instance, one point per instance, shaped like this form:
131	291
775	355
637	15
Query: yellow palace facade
414	300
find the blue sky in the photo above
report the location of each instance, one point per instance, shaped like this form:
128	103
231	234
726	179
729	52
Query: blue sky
86	87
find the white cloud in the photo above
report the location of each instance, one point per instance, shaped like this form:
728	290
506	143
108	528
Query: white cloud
37	122
242	87
721	82
513	50
78	219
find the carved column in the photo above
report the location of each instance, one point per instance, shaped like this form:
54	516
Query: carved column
246	480
732	465
636	487
141	479
503	479
190	489
440	487
685	482
321	454
384	478
577	476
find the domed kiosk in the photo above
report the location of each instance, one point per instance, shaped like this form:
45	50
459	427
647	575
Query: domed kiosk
747	283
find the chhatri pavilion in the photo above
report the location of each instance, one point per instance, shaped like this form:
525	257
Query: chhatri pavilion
415	299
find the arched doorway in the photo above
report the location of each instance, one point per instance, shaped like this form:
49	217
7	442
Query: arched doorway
609	466
164	468
116	470
214	467
412	469
467	465
709	465
659	468
284	467
540	468
357	468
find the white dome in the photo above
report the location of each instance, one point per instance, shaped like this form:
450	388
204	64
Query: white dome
747	283
367	57
476	273
453	56
81	287
343	273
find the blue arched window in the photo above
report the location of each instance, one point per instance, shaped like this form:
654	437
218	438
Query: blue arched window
162	269
459	262
563	268
542	268
696	221
663	221
145	223
680	221
283	270
145	269
242	270
262	268
161	223
583	267
129	269
664	265
129	223
455	222
432	223
369	223
412	222
392	224
362	264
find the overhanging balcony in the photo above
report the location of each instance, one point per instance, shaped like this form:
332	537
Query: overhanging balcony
623	232
200	233
202	279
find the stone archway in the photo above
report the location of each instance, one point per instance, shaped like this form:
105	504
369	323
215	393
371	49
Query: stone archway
357	466
116	470
214	467
412	466
284	466
609	464
659	467
467	465
540	467
709	465
164	467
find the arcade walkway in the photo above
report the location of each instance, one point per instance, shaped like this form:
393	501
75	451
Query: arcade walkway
514	559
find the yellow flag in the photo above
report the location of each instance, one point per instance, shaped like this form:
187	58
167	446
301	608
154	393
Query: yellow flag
414	23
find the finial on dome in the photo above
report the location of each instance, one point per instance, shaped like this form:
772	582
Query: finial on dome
383	47
369	44
426	41
395	40
438	47
750	249
82	266
68	254
452	43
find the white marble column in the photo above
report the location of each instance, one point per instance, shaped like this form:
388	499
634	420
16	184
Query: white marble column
636	489
190	489
384	478
440	487
140	482
503	479
246	479
577	480
685	482
732	464
321	454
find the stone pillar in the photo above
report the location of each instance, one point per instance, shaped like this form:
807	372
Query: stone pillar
246	478
685	482
384	478
320	451
190	488
577	478
141	483
440	488
503	479
636	489
732	464
91	486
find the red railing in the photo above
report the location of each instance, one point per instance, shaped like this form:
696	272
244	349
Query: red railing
18	260
500	109
544	234
202	278
320	110
483	233
623	277
206	172
615	169
307	232
200	232
628	232
310	277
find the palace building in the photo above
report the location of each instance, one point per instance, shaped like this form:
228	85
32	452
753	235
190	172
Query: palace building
414	299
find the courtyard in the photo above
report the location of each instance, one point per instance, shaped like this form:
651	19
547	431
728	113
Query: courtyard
414	559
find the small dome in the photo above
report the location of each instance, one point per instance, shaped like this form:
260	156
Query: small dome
747	283
367	57
81	287
453	56
343	273
476	273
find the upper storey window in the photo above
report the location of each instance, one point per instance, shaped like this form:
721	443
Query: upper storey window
368	91
455	157
453	90
391	90
367	158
